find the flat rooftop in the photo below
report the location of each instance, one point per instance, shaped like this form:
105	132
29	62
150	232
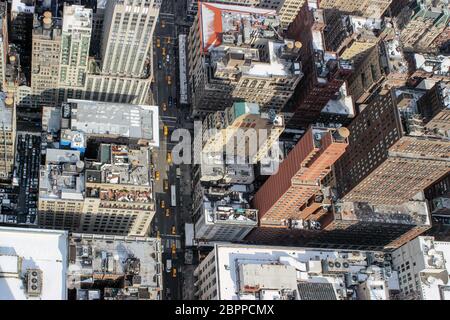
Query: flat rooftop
436	64
431	266
116	119
133	266
6	114
261	272
410	213
62	177
76	17
119	164
343	106
23	251
219	21
226	206
245	40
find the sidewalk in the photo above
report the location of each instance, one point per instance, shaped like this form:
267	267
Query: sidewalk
186	193
188	282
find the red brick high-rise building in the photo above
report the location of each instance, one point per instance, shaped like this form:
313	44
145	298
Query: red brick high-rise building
295	193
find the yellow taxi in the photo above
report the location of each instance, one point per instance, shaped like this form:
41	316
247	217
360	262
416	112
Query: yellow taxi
174	273
169	40
167	212
174	230
157	175
163	51
158	43
169	157
163	204
166	131
174	249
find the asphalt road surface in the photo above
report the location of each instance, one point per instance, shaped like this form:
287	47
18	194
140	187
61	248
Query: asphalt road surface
168	224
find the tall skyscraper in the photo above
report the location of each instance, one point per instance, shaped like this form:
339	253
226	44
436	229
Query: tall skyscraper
45	60
75	41
123	73
295	191
325	71
21	26
99	180
388	162
287	10
3	43
89	196
236	54
230	126
128	28
365	8
7	136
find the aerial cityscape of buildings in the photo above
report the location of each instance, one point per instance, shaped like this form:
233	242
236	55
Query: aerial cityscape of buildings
224	150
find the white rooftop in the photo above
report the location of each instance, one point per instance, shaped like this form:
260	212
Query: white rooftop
303	268
19	7
430	266
118	119
343	105
437	64
76	17
45	250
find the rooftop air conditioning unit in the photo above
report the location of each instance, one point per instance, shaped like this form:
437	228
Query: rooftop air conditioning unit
336	265
34	282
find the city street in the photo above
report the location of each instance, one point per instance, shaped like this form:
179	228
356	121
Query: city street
168	223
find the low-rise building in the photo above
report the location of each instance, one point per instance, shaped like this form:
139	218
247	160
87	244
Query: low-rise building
393	61
137	123
433	66
434	107
423	266
114	268
248	272
33	264
429	19
223	214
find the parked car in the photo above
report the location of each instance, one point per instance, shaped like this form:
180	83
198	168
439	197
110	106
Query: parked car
168	265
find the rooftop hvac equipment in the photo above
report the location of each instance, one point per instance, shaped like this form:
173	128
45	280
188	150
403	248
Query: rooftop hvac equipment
34	282
351	279
335	265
